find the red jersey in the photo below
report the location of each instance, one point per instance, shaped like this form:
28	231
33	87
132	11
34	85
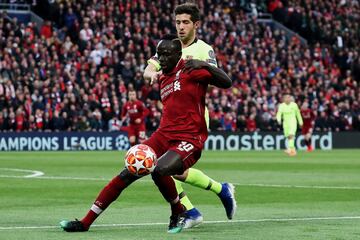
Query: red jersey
308	117
135	110
183	98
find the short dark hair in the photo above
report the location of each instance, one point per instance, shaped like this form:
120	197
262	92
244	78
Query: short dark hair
174	39
188	8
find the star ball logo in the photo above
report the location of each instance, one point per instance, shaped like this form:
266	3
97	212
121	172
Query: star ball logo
122	142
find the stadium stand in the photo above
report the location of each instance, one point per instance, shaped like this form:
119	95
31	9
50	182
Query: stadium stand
74	72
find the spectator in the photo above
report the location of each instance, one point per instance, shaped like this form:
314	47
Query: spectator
46	30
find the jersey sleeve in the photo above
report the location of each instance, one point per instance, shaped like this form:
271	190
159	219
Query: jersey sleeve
145	111
208	55
155	61
201	75
123	111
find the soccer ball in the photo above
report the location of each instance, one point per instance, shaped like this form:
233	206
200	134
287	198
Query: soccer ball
140	160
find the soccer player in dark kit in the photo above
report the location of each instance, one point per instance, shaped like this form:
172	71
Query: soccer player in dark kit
136	111
180	138
308	126
187	21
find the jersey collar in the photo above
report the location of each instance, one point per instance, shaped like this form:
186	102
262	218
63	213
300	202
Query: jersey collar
195	41
179	65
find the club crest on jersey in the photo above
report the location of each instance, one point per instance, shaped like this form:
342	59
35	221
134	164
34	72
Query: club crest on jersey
177	86
171	87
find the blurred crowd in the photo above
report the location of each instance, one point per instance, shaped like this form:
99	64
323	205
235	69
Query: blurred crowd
73	74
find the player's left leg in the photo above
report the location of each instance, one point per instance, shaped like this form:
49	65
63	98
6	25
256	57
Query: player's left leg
178	158
225	191
192	216
141	133
132	135
170	164
308	140
160	144
289	132
291	144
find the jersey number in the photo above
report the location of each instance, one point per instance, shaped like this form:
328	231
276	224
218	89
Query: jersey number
185	146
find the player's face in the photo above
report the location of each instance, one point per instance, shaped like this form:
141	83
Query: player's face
185	28
287	99
168	56
132	96
305	105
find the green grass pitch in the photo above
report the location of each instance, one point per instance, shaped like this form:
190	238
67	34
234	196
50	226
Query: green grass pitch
310	196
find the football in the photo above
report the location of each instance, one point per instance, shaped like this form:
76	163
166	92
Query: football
140	160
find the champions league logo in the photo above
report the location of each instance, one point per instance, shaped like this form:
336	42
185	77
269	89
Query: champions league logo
122	142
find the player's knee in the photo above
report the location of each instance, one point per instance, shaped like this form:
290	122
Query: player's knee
132	140
127	177
168	169
163	170
182	177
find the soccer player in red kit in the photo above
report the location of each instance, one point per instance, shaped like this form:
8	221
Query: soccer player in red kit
308	117
177	142
136	111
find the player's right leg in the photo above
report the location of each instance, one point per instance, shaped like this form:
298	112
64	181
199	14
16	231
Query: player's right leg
291	144
132	135
106	196
308	141
141	133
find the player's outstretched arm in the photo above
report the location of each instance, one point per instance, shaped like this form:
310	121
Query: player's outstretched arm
219	78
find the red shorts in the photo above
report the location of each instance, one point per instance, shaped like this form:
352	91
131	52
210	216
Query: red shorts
306	129
138	131
161	144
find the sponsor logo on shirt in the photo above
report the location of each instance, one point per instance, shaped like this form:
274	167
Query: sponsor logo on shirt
171	87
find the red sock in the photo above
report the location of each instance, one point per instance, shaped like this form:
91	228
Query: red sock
107	195
167	188
177	208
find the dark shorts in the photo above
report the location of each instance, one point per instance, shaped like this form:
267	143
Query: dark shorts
160	143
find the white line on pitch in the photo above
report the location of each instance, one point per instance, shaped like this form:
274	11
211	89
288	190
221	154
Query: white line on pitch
295	186
148	180
33	174
205	222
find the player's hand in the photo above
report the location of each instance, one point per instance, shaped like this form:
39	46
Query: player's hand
155	77
193	64
138	120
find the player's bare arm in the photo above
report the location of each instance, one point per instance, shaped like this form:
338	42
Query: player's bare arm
220	78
